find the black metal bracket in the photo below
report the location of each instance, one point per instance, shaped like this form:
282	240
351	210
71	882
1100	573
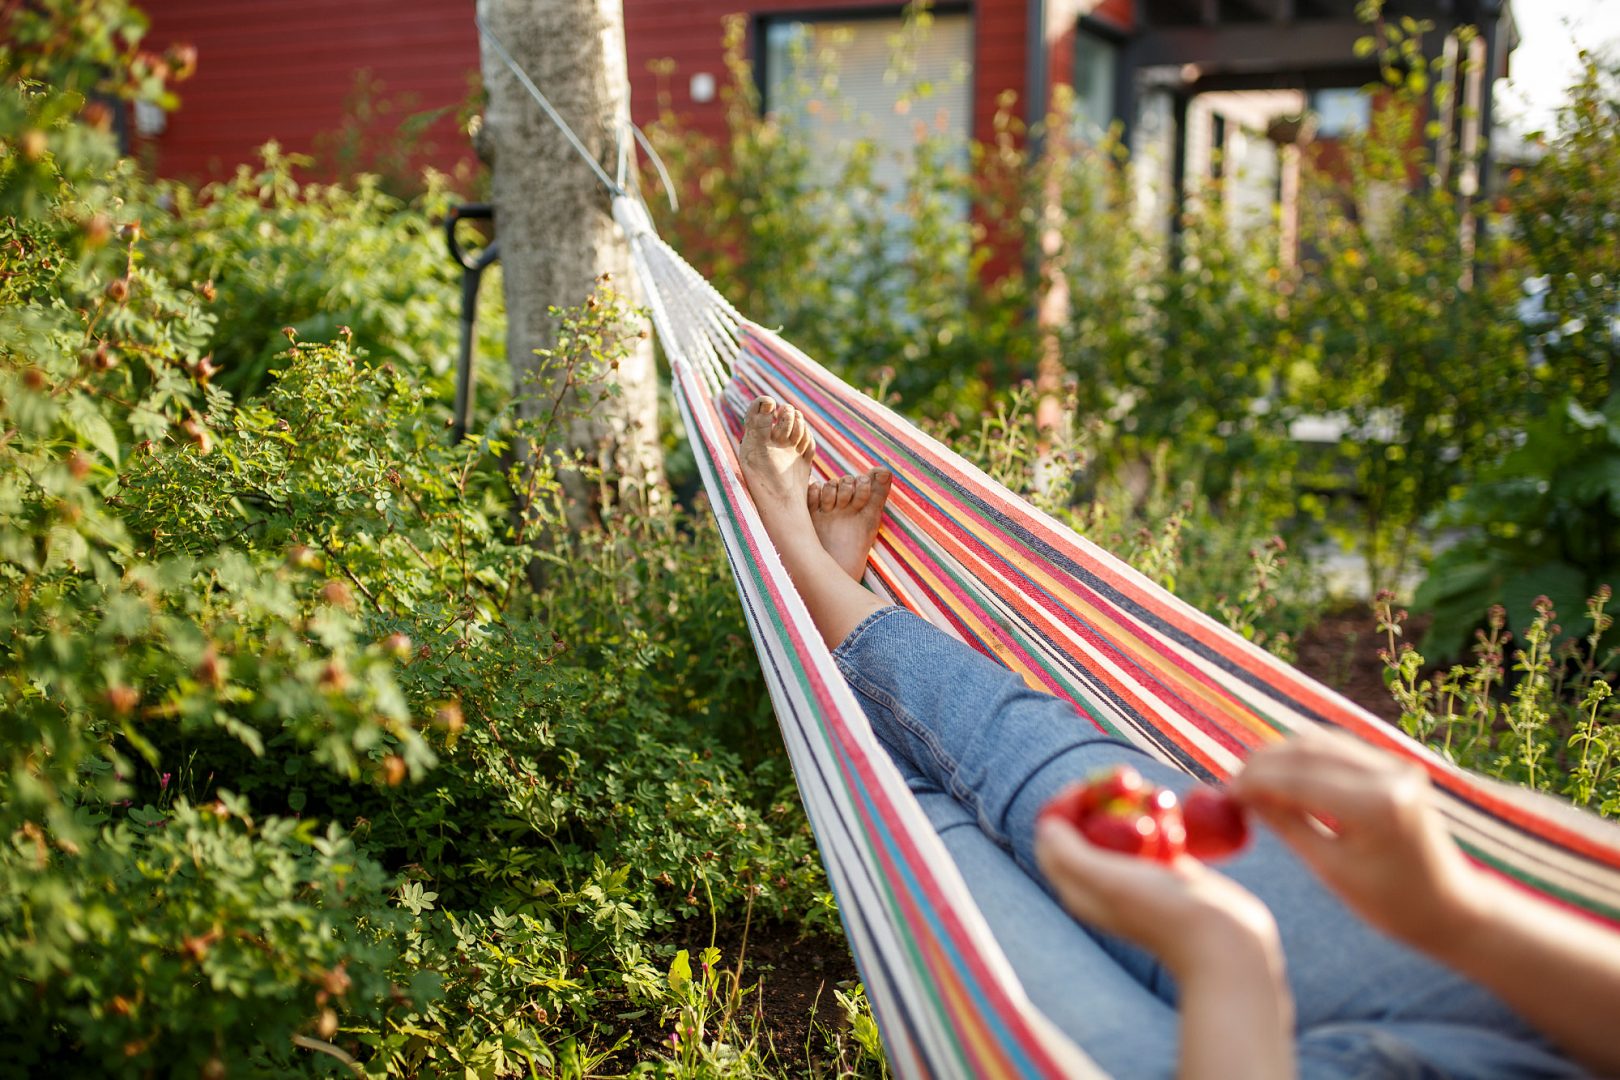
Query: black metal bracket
473	264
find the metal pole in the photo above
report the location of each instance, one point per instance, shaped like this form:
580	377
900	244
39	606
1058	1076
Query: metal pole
472	274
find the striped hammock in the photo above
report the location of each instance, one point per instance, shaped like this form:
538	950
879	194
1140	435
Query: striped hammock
965	553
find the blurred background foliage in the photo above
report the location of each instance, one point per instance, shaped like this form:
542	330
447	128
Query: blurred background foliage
300	772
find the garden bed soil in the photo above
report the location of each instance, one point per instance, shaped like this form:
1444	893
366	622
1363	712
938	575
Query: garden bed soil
788	979
795	978
1341	652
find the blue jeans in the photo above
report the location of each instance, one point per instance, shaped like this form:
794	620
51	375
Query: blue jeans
983	753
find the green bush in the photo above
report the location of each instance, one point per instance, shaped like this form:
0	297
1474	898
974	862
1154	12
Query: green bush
1557	730
1543	519
861	277
298	769
276	252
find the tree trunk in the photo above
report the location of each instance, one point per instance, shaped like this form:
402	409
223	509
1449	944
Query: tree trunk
555	220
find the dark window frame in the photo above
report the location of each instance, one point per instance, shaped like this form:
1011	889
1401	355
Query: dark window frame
1119	40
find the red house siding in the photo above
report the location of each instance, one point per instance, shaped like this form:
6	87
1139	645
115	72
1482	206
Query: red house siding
285	69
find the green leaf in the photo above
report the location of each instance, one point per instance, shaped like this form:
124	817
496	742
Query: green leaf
680	972
93	427
1559	582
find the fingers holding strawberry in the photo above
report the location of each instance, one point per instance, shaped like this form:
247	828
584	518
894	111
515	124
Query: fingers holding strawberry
1114	850
1120	811
1217	826
1365	823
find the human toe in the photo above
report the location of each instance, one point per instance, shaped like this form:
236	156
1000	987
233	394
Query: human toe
759	413
784	428
860	492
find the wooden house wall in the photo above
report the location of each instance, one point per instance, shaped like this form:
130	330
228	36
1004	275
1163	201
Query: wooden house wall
287	69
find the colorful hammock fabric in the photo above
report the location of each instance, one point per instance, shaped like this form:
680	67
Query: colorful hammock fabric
965	553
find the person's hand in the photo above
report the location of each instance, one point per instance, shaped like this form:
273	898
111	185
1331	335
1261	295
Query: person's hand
1215	937
1187	915
1365	823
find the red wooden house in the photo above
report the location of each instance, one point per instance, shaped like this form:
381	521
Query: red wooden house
1183	72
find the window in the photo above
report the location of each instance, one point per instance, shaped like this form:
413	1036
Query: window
871	78
1096	66
1340	112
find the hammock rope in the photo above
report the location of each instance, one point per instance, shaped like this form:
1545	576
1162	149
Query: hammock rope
965	553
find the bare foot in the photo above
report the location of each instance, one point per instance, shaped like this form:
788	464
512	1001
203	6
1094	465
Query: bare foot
846	513
775	455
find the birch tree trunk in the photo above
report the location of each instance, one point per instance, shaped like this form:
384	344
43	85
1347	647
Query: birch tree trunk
554	216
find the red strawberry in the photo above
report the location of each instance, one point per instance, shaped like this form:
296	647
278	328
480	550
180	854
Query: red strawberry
1117	788
1165	810
1216	825
1129	833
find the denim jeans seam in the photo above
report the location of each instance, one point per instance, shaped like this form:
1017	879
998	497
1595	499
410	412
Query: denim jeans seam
1038	769
853	638
942	762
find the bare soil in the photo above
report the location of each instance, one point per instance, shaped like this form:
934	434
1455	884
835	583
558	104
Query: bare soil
794	980
1341	651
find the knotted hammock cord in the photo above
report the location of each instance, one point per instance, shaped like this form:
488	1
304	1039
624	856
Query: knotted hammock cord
965	553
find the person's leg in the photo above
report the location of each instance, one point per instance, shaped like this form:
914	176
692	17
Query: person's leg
775	456
978	733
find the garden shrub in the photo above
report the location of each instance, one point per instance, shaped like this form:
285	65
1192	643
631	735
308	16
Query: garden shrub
1543	520
860	276
277	251
1557	730
1406	314
297	768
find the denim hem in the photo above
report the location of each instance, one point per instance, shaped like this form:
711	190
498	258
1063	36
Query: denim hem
847	646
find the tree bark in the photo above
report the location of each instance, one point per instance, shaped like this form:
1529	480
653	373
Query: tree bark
554	217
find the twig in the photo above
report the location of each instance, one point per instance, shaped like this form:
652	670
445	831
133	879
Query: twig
350	574
324	1047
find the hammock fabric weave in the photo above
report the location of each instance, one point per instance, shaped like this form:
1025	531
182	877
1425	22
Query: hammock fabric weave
968	555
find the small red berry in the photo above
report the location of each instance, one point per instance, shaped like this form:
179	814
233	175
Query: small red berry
183	59
123	699
210	670
448	716
97	115
1216	824
334	677
303	557
1128	833
337	594
1120	786
199	435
